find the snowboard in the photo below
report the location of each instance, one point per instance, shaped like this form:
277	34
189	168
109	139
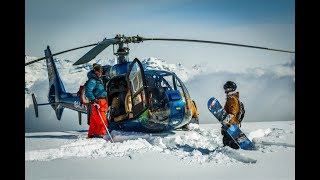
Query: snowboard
236	134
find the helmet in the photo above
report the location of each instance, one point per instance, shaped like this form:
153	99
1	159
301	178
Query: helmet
230	85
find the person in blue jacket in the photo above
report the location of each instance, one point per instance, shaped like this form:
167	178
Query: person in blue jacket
96	94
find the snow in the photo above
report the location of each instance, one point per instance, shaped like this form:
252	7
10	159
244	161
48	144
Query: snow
194	154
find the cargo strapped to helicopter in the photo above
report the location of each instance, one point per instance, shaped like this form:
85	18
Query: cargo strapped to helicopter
119	113
120	100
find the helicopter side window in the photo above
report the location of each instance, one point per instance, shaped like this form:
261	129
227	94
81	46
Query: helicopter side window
157	98
167	82
136	82
157	92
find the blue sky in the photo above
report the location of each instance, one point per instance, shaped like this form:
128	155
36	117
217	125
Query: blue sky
68	24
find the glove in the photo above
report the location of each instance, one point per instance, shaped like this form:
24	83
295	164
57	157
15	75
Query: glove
227	119
94	101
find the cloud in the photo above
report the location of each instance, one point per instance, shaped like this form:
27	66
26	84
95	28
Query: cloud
267	93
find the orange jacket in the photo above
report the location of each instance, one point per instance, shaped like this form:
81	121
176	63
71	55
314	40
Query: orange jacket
232	106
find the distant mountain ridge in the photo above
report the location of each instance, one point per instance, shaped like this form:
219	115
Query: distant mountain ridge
38	71
71	74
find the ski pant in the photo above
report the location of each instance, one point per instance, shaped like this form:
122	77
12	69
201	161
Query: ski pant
97	127
227	139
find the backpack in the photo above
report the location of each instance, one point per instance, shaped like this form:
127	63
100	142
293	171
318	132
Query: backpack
241	112
82	93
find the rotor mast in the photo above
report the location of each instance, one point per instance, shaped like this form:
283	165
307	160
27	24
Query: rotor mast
122	51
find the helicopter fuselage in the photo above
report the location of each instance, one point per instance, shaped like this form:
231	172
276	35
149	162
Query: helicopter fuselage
138	99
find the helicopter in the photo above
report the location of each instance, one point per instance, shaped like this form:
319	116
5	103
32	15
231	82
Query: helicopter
139	99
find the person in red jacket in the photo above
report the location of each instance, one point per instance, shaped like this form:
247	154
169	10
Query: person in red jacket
96	94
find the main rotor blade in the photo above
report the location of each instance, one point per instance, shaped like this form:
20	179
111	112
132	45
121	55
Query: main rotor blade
216	42
30	62
95	51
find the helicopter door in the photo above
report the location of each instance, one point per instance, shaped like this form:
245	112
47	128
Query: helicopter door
137	84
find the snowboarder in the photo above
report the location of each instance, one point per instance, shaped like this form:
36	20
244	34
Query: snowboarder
98	103
232	108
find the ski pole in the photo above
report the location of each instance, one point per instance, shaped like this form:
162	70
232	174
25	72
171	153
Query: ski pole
104	123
